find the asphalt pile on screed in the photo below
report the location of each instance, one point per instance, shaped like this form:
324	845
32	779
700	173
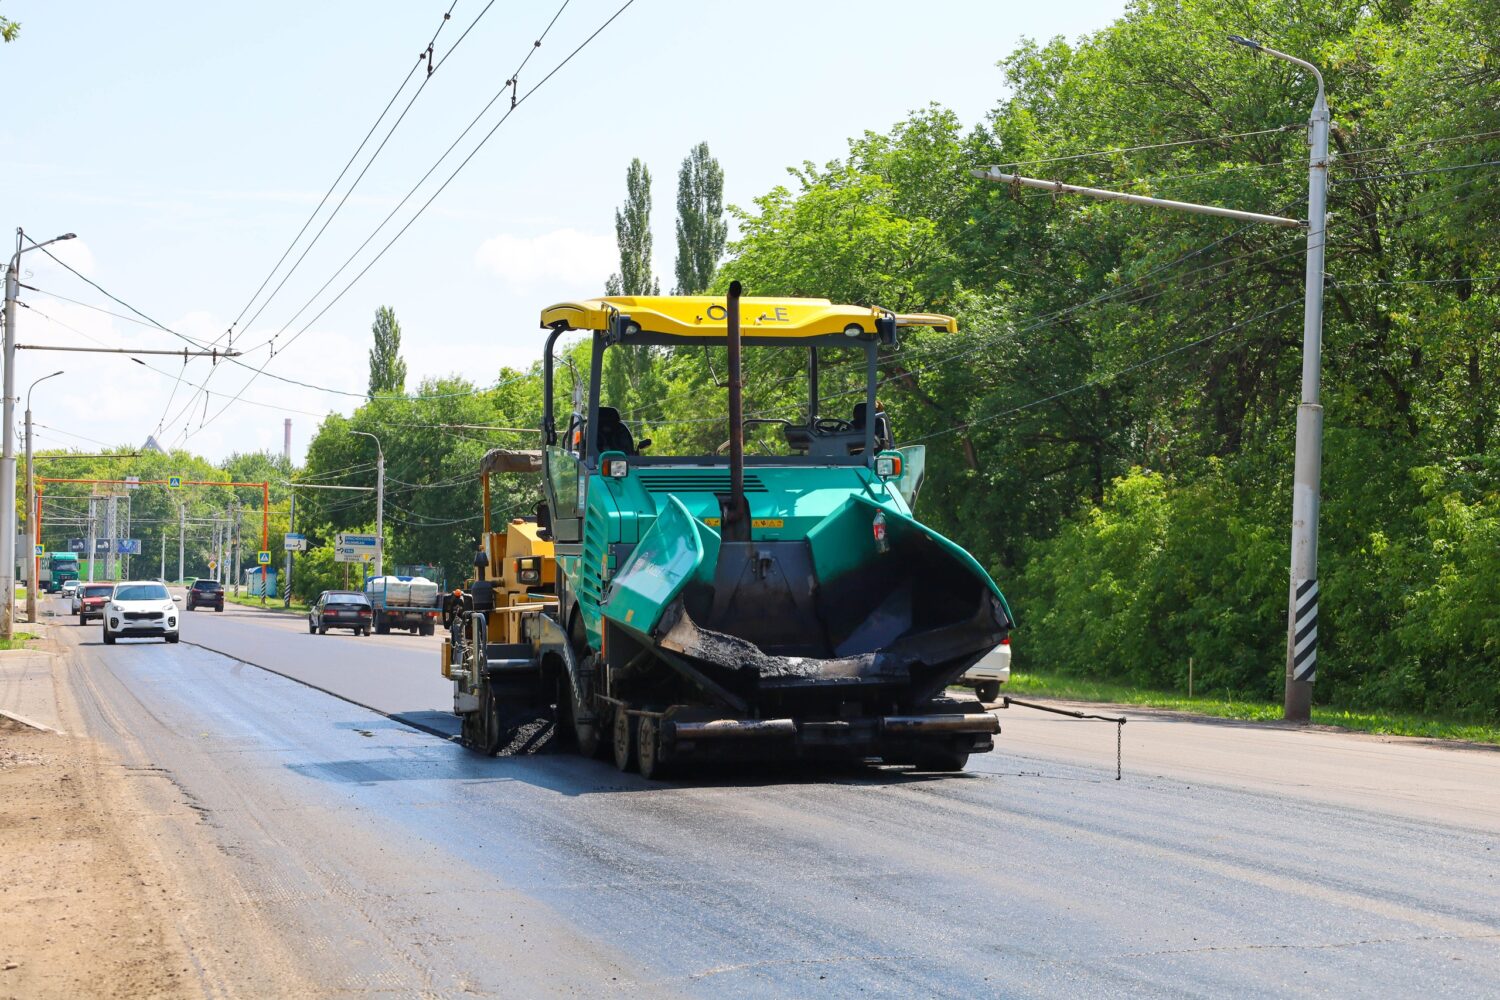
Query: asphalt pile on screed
534	734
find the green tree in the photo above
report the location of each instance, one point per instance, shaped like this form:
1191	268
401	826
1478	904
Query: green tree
9	29
633	234
701	227
387	370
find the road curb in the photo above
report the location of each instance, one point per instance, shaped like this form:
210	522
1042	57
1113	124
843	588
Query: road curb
410	723
32	723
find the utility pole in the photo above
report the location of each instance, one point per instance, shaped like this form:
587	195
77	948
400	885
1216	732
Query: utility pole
379	502
291	527
34	535
125	562
234	542
111	510
1307	466
8	448
1302	606
181	534
93	533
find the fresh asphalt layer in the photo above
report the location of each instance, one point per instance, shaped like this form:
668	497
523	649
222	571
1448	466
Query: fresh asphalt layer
397	674
389	860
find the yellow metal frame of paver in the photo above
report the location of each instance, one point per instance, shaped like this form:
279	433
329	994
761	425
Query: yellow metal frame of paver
706	316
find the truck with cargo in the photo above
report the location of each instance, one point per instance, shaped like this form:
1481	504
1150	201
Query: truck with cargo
56	569
409	602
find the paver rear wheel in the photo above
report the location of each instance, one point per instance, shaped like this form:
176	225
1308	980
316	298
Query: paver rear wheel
621	738
648	747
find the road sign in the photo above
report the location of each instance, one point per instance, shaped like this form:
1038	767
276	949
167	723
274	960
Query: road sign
263	557
78	545
294	542
212	565
127	546
39	550
174	482
132	482
355	548
101	546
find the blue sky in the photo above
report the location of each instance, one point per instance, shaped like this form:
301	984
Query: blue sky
186	143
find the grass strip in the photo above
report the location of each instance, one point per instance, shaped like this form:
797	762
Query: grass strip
1252	710
272	603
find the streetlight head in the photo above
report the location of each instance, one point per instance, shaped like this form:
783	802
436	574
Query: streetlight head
1248	43
68	236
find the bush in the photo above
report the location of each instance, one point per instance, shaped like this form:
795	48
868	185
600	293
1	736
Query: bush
1131	589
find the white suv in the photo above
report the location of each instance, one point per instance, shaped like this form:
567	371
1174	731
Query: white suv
140	608
986	676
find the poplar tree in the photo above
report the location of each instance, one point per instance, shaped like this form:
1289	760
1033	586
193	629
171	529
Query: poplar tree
701	229
633	235
387	370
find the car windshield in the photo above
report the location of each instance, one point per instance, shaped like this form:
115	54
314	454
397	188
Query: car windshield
97	591
141	592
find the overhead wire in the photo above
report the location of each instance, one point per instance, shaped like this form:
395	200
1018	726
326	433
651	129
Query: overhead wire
516	102
1110	376
349	163
111	297
165	374
1290	127
508	86
433	68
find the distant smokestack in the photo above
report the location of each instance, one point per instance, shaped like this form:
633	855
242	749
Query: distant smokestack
286	448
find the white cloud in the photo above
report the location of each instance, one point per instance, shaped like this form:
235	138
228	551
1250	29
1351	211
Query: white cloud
566	256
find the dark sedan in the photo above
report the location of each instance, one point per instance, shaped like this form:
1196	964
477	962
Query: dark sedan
341	609
206	594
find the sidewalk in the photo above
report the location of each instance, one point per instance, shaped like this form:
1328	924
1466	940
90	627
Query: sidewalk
26	691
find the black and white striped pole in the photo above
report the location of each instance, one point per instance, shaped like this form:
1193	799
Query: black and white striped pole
1302	605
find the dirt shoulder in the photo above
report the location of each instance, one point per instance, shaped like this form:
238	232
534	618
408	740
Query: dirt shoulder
83	909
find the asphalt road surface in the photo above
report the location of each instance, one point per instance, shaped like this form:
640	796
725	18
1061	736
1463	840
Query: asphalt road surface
396	674
372	857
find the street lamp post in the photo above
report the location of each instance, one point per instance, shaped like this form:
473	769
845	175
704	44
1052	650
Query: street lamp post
379	502
7	429
34	534
1302	602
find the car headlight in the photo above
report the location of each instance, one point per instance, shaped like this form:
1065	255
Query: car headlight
171	623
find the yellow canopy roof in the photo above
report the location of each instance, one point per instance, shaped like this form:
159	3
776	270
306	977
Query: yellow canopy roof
705	316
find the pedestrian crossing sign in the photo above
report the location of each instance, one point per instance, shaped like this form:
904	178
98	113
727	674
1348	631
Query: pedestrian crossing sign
263	557
174	482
